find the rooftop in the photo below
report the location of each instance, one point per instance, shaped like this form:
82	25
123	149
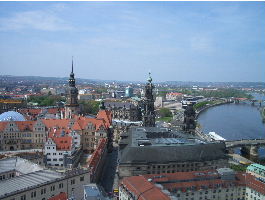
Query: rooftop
12	116
148	144
184	181
255	166
93	190
26	181
18	164
142	189
161	136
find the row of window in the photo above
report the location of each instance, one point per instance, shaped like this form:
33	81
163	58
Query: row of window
181	165
55	159
52	188
55	154
3	177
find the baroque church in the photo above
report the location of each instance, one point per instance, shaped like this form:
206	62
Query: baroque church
148	104
72	107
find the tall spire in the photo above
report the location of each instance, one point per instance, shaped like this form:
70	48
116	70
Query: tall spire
72	64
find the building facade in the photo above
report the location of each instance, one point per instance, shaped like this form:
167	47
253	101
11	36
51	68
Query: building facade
149	150
174	96
125	111
19	135
97	161
257	170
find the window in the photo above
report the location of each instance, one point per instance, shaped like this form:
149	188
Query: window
53	188
82	178
33	194
61	185
55	159
23	197
72	181
43	191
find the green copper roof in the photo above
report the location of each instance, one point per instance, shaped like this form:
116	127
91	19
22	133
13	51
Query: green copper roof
256	167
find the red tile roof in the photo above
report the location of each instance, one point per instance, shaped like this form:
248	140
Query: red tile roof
84	121
106	116
97	155
185	181
171	181
255	184
60	123
61	196
143	189
63	143
22	125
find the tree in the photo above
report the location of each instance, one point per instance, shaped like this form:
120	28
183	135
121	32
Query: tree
90	107
165	112
47	100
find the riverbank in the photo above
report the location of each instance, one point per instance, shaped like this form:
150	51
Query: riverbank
263	114
198	112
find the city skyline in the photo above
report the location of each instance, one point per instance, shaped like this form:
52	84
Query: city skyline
176	41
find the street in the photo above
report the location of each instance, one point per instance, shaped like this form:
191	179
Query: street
109	180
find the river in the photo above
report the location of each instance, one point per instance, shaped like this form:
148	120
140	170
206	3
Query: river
235	121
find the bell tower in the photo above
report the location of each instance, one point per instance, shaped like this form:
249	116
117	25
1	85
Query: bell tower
149	108
72	106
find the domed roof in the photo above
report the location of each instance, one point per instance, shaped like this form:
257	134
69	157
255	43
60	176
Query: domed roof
12	116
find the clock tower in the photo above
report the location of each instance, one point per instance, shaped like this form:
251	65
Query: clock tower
72	106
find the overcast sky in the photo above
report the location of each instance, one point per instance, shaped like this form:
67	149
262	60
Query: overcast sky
176	41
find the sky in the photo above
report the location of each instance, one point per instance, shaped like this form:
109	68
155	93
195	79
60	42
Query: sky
175	41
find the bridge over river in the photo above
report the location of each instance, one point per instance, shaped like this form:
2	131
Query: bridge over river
248	146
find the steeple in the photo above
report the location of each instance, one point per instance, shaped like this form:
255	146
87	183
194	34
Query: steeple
72	76
149	109
72	65
71	106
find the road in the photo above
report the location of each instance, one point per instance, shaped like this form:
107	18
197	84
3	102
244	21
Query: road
109	180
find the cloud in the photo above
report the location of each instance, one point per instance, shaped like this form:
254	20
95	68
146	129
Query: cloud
38	20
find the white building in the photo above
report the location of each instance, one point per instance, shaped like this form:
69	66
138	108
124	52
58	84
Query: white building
23	180
174	96
62	151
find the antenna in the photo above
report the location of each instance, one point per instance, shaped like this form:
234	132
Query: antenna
72	64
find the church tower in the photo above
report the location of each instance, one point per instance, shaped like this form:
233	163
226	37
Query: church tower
149	108
189	119
72	106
